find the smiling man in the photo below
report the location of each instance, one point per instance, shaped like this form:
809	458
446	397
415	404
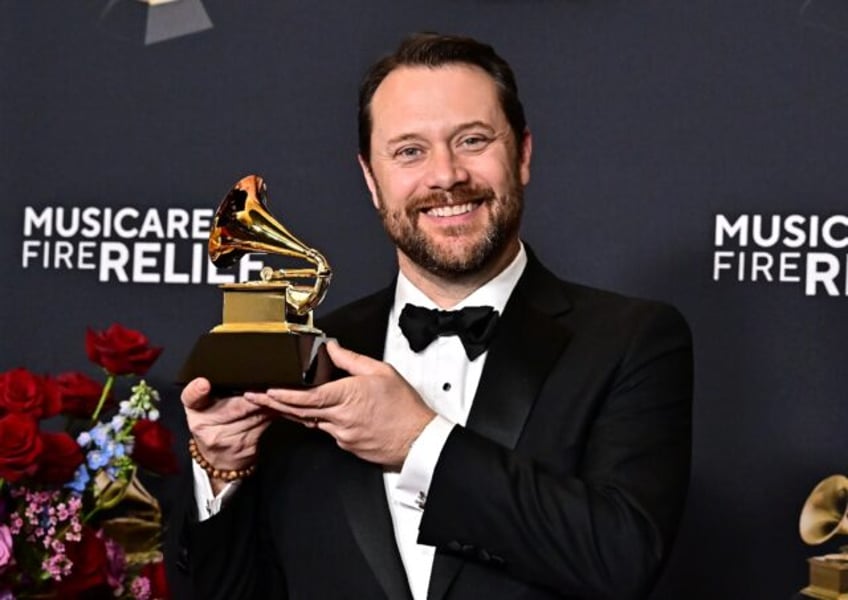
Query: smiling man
446	172
494	432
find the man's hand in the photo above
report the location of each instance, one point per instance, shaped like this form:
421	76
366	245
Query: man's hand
374	413
226	431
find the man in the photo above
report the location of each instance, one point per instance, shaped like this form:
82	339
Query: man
538	447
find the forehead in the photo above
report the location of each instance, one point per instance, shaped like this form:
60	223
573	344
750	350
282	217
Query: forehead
411	97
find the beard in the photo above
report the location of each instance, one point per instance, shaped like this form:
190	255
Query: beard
465	251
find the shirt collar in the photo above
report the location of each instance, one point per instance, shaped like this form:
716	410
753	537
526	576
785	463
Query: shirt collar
494	292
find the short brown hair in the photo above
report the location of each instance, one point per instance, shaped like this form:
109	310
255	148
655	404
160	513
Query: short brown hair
436	50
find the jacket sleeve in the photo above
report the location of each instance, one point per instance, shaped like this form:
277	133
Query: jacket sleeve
601	527
228	556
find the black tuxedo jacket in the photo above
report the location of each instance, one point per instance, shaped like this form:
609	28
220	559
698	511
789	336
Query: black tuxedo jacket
567	481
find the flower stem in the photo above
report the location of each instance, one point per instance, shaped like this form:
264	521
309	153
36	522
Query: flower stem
86	517
103	395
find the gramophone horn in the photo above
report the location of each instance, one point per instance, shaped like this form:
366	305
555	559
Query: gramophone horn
825	512
243	224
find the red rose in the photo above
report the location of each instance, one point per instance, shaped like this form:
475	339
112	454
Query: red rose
155	573
152	448
120	350
59	459
22	391
80	394
90	566
20	445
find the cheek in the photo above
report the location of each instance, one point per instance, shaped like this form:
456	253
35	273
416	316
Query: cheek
396	188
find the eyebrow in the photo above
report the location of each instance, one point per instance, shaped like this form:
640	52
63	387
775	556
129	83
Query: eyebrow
406	137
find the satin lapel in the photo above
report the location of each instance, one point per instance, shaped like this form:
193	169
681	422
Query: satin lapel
364	499
527	344
362	328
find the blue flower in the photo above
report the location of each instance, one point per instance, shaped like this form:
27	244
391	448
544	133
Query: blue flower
101	434
80	480
114	449
97	459
118	422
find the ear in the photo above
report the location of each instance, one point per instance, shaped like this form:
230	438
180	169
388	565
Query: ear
369	180
526	150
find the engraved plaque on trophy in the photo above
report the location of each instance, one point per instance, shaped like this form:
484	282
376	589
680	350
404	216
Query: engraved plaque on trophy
266	338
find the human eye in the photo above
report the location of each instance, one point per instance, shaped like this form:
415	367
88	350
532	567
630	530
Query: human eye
474	141
408	153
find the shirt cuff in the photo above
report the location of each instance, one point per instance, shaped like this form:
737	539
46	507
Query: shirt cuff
208	504
413	482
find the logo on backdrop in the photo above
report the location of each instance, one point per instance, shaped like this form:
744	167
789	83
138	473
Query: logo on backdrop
805	250
125	244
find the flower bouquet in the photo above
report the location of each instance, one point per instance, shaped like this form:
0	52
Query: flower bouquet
75	521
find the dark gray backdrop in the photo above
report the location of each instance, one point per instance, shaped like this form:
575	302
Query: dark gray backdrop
648	117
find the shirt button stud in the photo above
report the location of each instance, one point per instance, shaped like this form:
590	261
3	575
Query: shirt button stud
446	386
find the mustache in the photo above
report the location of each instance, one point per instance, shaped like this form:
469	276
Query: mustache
459	195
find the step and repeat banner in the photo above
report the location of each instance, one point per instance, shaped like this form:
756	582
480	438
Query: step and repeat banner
693	152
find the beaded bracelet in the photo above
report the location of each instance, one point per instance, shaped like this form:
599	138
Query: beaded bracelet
214	473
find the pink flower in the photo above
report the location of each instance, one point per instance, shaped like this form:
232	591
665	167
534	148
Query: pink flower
140	588
116	564
5	546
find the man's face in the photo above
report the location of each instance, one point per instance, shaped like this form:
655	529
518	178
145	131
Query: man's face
446	174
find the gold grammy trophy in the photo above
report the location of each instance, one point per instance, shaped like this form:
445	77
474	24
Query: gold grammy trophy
825	515
267	337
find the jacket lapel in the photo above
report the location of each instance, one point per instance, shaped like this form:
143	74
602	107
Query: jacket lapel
361	483
528	342
364	499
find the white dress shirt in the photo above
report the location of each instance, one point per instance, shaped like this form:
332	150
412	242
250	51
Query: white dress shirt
447	382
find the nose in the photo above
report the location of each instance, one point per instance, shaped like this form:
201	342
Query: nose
445	170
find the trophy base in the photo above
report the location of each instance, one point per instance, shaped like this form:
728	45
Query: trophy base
235	362
818	593
828	579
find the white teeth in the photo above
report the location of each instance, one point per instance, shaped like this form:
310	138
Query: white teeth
451	211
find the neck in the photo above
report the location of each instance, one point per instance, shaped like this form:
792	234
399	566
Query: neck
447	292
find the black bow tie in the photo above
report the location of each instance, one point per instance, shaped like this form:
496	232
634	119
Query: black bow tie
474	325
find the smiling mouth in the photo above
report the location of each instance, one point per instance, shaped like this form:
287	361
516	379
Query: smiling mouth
451	210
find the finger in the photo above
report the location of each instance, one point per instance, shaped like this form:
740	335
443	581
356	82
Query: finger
350	361
258	416
237	409
309	419
229	414
250	431
195	395
308	422
311	398
269	401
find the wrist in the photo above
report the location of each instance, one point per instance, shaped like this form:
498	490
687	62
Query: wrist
217	477
415	431
217	485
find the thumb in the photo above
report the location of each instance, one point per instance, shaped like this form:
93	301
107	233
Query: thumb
195	395
350	361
